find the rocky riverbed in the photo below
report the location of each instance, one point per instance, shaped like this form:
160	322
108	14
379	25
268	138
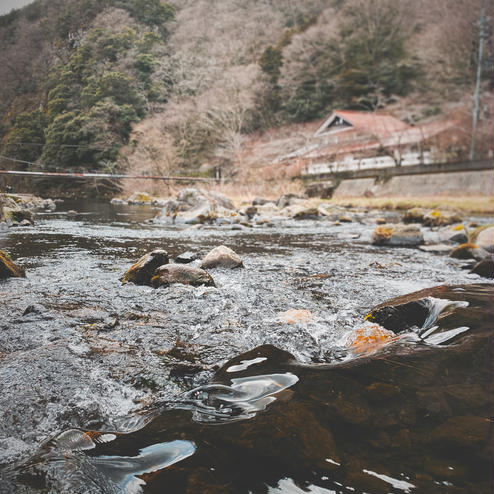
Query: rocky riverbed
79	350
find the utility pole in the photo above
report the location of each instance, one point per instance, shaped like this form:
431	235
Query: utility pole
477	84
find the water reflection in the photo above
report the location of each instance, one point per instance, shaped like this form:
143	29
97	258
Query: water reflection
217	403
124	471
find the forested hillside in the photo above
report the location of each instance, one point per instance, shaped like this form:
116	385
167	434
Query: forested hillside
159	87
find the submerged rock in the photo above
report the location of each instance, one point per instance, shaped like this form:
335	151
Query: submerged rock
181	273
186	257
142	271
397	235
221	257
8	269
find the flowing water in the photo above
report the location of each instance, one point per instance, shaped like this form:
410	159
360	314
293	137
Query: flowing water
151	370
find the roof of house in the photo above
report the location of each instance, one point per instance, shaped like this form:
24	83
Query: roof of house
378	124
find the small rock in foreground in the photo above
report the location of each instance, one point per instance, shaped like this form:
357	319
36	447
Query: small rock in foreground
8	269
181	273
142	271
221	257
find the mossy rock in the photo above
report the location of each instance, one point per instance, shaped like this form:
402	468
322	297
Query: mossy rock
439	218
467	251
17	215
397	235
142	271
8	269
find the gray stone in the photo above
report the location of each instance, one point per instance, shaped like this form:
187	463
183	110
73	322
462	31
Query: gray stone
221	257
485	239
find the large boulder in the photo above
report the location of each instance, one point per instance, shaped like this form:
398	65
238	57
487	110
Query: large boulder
221	257
398	235
181	273
8	269
142	271
192	206
484	238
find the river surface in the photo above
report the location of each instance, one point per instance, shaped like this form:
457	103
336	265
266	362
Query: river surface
79	351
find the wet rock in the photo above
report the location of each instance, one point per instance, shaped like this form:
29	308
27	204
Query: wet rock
484	238
118	201
397	235
8	269
34	309
221	200
289	200
305	213
468	251
17	215
193	207
181	273
344	218
453	234
381	221
25	223
414	215
438	218
139	198
71	213
399	317
142	271
186	257
221	257
250	211
484	268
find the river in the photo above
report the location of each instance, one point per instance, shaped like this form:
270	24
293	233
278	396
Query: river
80	352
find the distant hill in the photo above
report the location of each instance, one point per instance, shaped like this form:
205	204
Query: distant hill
154	86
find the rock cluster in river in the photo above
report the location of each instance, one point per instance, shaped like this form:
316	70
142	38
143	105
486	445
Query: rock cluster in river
154	268
19	209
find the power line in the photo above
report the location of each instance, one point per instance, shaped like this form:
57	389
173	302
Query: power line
118	176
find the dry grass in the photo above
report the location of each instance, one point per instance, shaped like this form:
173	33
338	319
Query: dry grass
468	204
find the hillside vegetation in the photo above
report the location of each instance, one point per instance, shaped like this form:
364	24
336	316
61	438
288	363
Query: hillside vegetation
178	87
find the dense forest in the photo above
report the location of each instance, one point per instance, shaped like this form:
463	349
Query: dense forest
142	84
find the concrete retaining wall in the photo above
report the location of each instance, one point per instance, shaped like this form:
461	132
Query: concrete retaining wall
469	183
